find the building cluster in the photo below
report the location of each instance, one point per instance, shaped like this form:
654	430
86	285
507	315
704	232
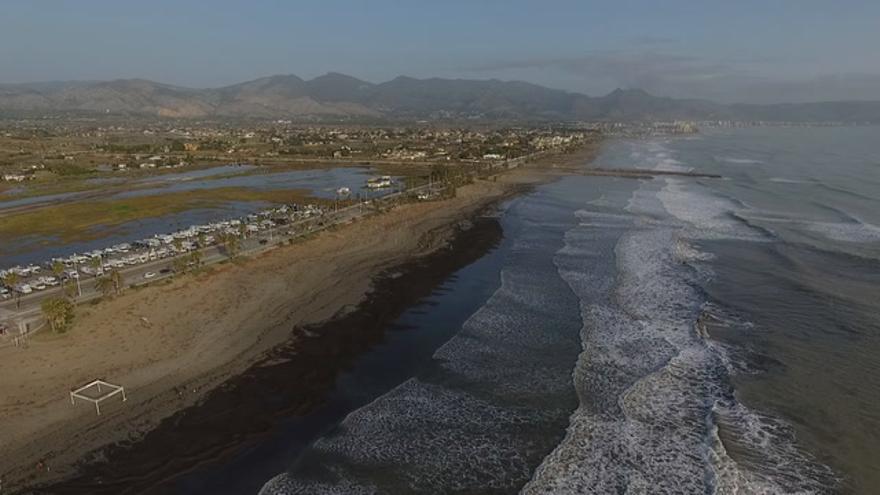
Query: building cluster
415	143
22	174
87	147
637	130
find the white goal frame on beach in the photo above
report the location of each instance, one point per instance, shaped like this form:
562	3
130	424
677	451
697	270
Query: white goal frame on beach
97	385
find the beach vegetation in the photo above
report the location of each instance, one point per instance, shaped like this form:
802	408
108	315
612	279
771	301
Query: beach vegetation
70	291
117	279
104	285
178	265
59	313
196	258
58	271
231	243
97	265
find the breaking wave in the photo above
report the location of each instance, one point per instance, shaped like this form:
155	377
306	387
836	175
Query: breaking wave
648	406
654	391
484	413
738	161
785	180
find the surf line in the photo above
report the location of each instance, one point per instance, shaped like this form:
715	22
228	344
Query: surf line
640	173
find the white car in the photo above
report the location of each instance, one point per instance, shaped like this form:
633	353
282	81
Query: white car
149	275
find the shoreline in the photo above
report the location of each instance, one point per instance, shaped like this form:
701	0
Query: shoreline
292	380
212	328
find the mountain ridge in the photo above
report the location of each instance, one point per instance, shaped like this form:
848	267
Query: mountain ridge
338	95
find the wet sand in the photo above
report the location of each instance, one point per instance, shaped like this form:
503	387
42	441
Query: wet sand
291	381
169	345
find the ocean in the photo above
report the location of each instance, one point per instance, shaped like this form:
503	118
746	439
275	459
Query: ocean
672	335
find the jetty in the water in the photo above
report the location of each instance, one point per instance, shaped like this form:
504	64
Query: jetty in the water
638	173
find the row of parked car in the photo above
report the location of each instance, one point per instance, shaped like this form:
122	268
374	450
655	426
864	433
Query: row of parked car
38	277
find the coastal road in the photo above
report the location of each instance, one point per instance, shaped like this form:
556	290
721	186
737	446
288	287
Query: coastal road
27	311
28	308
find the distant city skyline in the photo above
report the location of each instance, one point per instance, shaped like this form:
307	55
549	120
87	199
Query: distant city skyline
747	51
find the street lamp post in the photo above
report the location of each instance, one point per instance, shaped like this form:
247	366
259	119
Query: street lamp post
76	277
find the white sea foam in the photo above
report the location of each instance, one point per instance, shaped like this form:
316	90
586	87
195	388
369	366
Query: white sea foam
738	161
651	387
658	157
707	215
640	377
775	458
438	439
478	418
854	230
283	485
846	231
652	392
785	180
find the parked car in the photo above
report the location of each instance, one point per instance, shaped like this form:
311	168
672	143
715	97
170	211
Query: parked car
149	275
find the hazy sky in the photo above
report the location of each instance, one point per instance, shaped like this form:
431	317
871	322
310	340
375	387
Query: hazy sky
770	50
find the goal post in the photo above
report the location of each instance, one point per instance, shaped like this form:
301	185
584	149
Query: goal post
96	392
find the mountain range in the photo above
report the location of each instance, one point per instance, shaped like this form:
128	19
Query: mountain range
339	96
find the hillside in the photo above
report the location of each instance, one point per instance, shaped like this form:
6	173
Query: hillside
340	96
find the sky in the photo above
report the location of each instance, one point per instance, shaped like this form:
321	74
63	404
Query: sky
731	51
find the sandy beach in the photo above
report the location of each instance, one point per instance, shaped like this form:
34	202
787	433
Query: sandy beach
170	344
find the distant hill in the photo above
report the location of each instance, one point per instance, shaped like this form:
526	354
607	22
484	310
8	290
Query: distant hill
341	96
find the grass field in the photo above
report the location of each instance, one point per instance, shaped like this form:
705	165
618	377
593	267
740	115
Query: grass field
76	221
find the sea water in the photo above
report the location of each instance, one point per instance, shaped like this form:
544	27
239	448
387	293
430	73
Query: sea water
672	335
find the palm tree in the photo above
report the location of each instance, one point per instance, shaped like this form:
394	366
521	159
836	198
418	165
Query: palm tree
10	280
116	278
233	243
179	265
97	264
57	269
58	312
230	242
196	257
221	239
104	285
70	291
